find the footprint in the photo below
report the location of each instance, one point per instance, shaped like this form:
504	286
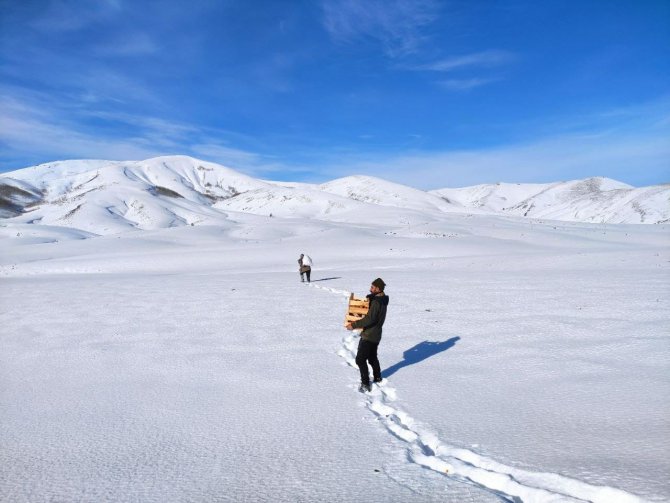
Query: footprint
511	484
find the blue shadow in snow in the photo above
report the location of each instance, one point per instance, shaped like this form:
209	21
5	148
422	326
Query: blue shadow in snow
419	353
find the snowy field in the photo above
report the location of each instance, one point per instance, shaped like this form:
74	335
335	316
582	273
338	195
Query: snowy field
524	361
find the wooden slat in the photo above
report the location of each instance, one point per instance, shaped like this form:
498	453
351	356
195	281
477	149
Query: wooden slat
356	309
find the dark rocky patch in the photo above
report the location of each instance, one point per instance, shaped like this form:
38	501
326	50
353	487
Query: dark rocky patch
15	200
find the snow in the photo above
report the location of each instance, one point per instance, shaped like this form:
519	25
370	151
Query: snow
110	197
374	190
598	200
522	359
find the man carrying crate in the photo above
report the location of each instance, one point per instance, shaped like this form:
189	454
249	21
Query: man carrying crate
371	324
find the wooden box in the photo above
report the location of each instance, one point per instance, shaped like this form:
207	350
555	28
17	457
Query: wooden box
356	309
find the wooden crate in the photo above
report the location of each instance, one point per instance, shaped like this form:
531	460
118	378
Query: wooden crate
356	309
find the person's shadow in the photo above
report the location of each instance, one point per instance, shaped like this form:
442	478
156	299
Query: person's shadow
418	353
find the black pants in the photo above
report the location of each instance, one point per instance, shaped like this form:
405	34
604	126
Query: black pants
367	352
308	272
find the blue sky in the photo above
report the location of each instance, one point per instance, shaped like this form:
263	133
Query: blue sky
427	93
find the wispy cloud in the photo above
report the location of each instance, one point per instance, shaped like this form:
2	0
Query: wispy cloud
627	144
396	24
64	16
631	145
469	71
466	84
546	160
31	124
485	59
31	128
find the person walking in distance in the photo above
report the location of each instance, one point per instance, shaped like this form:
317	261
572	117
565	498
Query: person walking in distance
371	324
305	267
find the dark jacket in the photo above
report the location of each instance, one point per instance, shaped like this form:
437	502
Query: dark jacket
372	322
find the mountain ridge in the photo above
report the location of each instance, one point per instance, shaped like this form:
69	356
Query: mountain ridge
595	200
103	197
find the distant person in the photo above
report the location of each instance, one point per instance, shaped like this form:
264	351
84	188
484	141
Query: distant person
305	267
371	324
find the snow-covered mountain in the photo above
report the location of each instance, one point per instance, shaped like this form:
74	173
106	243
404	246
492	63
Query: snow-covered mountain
106	197
374	190
591	200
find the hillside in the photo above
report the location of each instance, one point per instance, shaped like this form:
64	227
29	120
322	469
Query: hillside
107	197
597	200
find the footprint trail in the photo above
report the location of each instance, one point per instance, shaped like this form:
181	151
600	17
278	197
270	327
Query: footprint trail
426	449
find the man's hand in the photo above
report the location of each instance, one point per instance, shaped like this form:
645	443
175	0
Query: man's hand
349	327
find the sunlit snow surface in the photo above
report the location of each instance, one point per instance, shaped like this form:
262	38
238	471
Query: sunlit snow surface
528	360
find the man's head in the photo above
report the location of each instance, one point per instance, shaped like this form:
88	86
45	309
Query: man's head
377	286
302	255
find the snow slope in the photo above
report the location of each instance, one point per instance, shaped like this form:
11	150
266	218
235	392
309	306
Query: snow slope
107	197
592	200
521	362
380	192
104	197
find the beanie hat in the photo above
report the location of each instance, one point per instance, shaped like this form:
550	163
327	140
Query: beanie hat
379	283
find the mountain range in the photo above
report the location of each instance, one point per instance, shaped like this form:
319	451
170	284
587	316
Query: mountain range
106	197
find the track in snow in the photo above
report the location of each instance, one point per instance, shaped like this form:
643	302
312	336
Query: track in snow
425	449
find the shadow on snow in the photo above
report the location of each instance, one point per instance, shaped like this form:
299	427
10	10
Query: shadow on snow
325	279
418	353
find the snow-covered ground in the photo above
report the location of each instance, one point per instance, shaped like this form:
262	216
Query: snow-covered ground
522	360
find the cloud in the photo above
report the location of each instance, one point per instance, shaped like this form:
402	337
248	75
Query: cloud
396	24
484	59
466	84
629	144
25	128
635	159
69	16
30	123
467	69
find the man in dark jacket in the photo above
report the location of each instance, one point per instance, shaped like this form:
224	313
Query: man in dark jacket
371	324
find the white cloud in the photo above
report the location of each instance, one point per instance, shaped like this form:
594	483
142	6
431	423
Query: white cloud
396	24
483	59
466	84
629	144
623	156
30	124
467	68
27	129
65	16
